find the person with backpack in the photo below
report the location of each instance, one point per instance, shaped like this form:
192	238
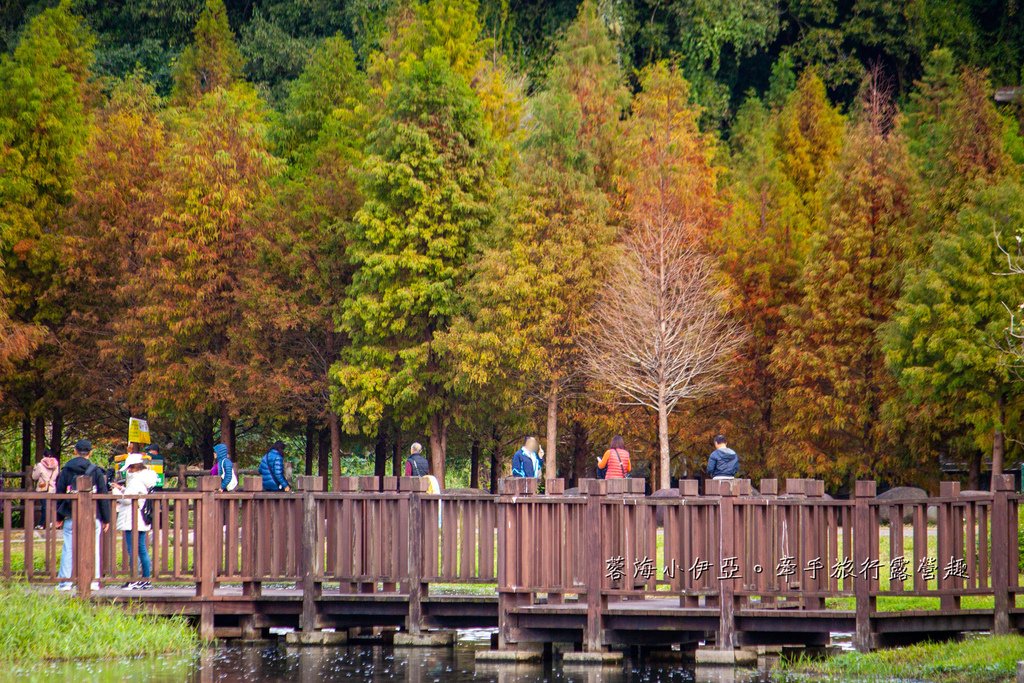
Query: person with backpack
272	469
615	462
80	466
528	461
225	468
723	463
139	481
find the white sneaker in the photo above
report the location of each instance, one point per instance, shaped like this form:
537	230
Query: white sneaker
65	586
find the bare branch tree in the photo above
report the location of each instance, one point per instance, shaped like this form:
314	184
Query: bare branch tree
662	333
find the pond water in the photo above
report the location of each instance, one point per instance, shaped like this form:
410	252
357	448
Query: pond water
259	664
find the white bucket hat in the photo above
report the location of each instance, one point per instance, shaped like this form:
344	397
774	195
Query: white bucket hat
132	459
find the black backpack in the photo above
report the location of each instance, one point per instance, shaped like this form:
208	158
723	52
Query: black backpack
418	465
147	509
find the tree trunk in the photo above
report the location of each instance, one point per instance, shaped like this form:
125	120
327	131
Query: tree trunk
581	462
225	429
233	446
311	433
999	439
474	464
26	443
40	437
206	442
323	442
550	460
664	471
495	462
974	470
335	427
57	433
396	458
438	446
380	454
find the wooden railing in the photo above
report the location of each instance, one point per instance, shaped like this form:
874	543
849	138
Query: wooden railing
727	550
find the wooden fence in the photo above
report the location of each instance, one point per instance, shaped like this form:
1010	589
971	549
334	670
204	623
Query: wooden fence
727	551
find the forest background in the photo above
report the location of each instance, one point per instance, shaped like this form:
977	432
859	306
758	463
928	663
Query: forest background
352	225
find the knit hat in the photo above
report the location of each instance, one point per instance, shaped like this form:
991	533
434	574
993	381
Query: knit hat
221	451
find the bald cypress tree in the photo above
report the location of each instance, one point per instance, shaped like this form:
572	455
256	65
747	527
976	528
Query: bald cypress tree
836	381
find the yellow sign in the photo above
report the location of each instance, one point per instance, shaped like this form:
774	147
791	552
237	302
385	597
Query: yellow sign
138	430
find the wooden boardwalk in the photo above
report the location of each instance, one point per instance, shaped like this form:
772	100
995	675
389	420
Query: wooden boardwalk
605	567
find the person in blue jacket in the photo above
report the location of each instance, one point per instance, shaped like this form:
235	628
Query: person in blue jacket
272	469
528	460
225	468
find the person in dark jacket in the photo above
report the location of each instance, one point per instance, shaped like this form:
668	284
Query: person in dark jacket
723	463
416	465
79	466
528	461
272	469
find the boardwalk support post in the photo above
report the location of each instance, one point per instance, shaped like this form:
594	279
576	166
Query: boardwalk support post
312	531
84	556
726	584
416	486
1002	487
209	529
864	491
595	569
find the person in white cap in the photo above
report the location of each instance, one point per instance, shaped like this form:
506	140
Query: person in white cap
138	482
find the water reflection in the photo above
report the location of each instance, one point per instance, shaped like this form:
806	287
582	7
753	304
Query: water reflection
249	664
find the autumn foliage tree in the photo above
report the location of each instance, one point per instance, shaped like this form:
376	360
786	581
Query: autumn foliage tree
837	384
661	331
190	314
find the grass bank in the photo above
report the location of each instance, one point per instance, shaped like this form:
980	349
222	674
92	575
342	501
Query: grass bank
978	659
40	625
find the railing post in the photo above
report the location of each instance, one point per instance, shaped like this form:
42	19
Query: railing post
726	549
595	566
864	491
208	528
1002	487
946	542
312	532
84	537
250	539
415	486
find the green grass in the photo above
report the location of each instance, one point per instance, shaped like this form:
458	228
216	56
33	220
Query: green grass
976	660
38	624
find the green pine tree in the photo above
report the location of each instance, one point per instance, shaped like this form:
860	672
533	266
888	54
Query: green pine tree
428	187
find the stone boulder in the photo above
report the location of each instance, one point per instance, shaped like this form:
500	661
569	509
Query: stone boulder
902	494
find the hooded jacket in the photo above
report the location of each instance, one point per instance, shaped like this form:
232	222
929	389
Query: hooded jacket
723	462
77	467
45	475
272	470
225	468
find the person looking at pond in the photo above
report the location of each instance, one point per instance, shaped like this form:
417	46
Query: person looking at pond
139	481
272	469
615	461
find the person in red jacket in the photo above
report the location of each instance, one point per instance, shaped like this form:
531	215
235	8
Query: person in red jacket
616	460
